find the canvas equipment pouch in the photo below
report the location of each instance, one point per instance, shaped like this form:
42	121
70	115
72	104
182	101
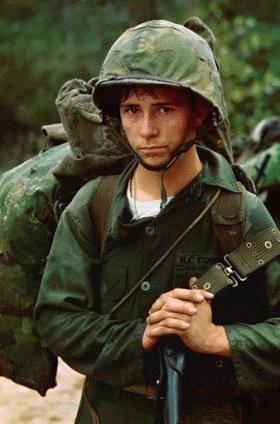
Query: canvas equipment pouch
27	225
32	197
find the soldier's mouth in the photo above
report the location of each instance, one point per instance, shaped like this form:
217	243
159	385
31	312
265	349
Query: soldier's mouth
153	149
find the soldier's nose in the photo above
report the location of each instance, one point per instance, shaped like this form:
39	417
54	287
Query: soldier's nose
149	128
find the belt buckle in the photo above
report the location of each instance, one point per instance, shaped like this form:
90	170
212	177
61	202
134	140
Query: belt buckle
232	273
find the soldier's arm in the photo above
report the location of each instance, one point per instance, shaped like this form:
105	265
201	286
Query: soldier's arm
255	342
65	316
256	346
253	346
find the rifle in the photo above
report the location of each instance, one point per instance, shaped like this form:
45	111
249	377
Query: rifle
261	168
173	363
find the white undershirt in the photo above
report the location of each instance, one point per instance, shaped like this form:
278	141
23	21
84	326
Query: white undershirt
140	209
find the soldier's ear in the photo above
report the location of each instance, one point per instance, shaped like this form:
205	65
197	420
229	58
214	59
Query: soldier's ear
201	110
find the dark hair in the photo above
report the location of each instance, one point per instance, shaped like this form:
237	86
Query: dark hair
113	95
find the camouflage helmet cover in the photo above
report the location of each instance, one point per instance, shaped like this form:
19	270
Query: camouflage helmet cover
163	53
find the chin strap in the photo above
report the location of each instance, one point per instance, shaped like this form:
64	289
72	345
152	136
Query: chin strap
163	194
161	168
208	125
182	149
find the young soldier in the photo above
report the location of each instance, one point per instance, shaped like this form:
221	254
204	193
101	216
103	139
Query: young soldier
162	81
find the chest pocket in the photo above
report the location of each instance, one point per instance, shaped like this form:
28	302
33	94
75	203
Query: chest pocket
189	265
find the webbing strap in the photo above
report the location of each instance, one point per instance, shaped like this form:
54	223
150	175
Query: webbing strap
256	252
101	205
213	280
227	218
247	258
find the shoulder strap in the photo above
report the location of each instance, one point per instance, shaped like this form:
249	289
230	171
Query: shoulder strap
227	214
237	265
101	205
227	218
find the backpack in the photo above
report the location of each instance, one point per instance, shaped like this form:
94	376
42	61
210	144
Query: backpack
27	224
32	197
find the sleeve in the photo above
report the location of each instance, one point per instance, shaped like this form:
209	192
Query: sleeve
256	347
65	318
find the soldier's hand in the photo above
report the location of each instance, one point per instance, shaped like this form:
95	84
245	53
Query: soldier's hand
171	313
201	327
203	336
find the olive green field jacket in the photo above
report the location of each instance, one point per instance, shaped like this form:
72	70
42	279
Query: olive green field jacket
78	291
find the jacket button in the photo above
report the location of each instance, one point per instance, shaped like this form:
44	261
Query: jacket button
145	286
219	363
149	230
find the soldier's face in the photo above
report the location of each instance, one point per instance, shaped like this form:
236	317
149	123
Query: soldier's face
156	121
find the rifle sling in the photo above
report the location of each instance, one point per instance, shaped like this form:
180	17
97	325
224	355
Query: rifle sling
247	258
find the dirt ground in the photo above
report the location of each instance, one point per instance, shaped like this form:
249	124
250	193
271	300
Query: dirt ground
19	405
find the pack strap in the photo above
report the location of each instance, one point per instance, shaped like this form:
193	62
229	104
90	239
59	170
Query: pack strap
101	205
227	219
247	258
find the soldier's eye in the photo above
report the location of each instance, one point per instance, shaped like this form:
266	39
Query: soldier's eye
166	109
131	110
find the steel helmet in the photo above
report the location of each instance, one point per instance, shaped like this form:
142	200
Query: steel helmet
159	52
165	53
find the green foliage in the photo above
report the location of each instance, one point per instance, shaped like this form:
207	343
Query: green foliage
248	52
251	70
45	43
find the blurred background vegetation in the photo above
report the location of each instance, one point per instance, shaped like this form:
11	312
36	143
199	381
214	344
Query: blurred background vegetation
45	43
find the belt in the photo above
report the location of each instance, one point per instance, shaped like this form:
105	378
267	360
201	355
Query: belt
150	392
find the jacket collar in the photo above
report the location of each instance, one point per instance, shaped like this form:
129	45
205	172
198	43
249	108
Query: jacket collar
216	172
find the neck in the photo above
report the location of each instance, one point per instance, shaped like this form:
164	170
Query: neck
180	174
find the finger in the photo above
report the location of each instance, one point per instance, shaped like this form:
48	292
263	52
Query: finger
179	306
159	316
175	306
195	296
171	326
186	294
157	305
193	280
191	295
206	294
179	294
